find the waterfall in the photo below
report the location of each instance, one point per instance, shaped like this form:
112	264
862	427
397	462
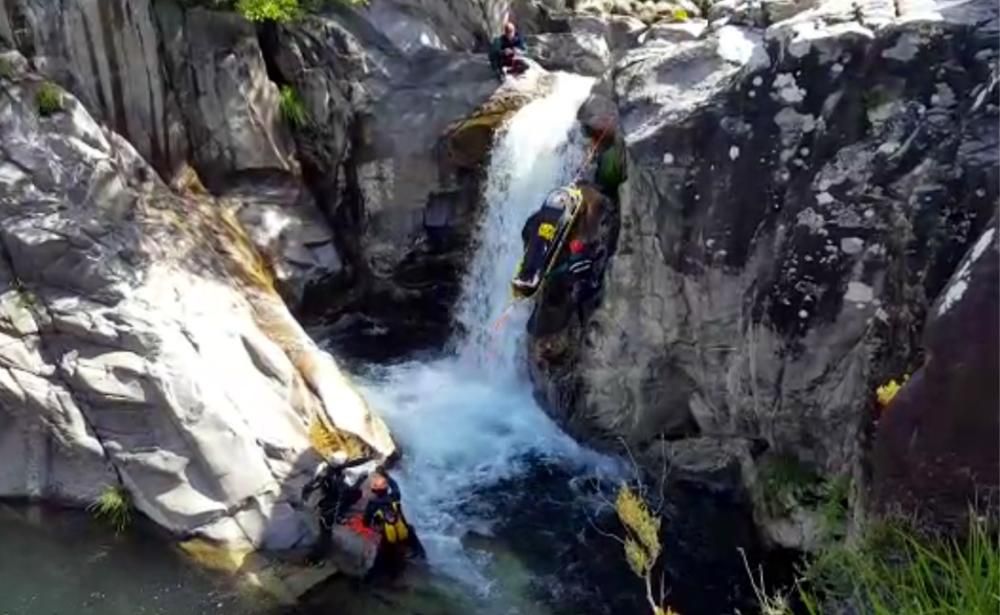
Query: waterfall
469	420
541	149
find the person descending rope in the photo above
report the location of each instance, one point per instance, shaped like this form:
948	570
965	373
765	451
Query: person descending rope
384	514
542	234
504	52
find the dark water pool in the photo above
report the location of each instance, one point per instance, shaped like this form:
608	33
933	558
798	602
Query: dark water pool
545	556
61	562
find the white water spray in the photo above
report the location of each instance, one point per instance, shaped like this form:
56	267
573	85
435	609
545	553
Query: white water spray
468	421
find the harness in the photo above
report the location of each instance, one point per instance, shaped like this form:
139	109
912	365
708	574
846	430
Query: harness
394	528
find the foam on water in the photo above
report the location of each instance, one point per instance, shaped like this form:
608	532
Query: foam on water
469	420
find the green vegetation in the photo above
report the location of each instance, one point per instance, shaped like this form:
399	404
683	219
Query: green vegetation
292	108
282	11
49	99
611	167
6	68
642	542
114	506
28	300
269	10
897	571
786	483
704	6
833	507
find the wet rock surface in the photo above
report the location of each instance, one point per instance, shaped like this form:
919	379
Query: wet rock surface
797	197
395	152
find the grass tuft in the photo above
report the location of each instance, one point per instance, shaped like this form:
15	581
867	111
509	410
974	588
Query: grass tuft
786	483
49	99
292	108
113	506
897	571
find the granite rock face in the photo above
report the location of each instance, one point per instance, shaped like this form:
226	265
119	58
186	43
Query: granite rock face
797	197
936	444
145	345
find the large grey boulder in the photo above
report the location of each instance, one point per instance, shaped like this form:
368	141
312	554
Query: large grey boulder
288	229
796	198
181	85
107	54
937	441
230	105
402	160
452	25
144	344
579	51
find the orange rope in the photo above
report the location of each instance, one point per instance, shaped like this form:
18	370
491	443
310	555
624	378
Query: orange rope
503	317
497	326
593	150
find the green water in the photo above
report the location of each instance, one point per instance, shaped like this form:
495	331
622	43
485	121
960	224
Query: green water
56	562
63	562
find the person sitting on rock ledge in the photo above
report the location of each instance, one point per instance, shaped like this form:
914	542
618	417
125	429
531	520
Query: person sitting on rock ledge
503	52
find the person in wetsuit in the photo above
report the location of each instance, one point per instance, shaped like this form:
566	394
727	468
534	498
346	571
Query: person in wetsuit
579	269
384	513
337	496
504	49
539	234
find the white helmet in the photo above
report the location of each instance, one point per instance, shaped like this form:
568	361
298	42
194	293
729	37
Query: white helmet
559	199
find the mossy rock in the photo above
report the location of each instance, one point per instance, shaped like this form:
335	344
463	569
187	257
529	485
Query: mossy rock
469	140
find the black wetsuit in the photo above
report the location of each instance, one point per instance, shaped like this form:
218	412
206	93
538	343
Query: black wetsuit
384	502
501	44
582	278
336	499
539	234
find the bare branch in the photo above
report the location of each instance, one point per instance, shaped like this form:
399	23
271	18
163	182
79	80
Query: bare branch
604	533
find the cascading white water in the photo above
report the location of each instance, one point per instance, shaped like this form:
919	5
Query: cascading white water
541	149
469	420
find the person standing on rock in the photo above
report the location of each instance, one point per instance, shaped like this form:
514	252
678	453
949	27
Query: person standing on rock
337	497
384	513
503	51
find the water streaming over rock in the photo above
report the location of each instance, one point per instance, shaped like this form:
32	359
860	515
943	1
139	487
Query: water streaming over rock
469	421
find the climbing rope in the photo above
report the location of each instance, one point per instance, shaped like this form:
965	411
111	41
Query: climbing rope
491	352
590	154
